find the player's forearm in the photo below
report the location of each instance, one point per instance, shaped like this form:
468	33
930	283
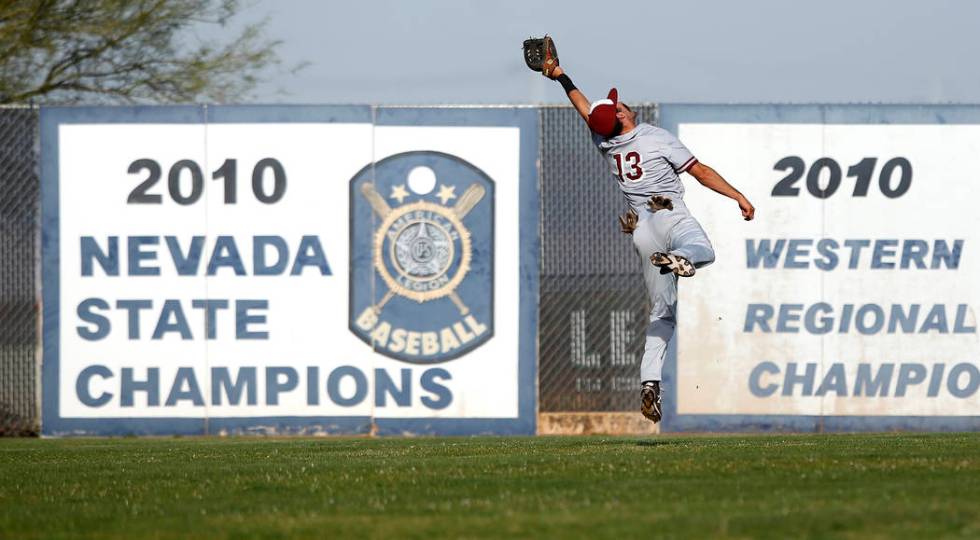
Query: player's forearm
713	181
710	179
578	99
580	102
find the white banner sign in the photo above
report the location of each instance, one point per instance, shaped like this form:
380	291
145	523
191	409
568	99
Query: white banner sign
283	270
854	292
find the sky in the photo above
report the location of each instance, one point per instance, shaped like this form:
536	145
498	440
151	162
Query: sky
756	51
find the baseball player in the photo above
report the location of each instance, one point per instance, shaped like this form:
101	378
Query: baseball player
647	162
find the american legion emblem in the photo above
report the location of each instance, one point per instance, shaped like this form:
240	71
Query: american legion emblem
421	241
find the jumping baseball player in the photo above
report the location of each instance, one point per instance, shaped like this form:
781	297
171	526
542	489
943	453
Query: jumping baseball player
647	162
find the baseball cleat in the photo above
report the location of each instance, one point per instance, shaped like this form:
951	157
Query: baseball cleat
668	262
650	401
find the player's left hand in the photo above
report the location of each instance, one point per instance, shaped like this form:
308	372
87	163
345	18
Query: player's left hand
628	221
748	211
540	54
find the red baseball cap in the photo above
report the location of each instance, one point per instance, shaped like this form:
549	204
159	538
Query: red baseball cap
602	115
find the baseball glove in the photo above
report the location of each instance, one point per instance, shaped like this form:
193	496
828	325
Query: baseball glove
627	221
541	55
659	202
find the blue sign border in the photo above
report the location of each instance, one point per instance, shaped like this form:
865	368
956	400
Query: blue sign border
673	114
526	119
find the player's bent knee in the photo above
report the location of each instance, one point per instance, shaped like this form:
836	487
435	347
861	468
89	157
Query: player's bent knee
709	257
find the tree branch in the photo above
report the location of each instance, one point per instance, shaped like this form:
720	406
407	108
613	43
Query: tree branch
63	50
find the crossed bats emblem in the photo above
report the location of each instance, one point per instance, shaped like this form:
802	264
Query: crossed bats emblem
455	214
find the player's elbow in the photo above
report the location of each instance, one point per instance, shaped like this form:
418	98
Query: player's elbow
699	171
707	257
704	174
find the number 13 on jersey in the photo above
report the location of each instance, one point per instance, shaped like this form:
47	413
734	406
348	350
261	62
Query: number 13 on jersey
632	160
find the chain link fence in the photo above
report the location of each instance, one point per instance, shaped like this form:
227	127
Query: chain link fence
593	311
19	307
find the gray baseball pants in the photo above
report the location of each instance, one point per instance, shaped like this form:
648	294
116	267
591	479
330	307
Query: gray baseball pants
668	231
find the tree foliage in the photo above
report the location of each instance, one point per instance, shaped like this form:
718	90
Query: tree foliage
131	51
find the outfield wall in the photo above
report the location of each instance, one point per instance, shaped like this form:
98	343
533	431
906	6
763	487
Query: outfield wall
354	270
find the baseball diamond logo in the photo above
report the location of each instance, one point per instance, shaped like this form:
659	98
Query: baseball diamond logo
421	276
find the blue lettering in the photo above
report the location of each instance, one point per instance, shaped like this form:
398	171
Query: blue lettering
886	253
942	254
856	247
860	321
243	318
906	320
791	379
384	386
443	397
961	325
756	376
310	253
828	248
87	314
936	380
826	322
259	265
881	251
226	254
186	265
935	320
763	253
834	381
797	249
133	308
245	382
185	375
137	255
865	385
210	308
171	308
845	318
275	386
151	386
108	261
758	314
312	385
914	251
973	380
360	386
909	374
788	313
83	388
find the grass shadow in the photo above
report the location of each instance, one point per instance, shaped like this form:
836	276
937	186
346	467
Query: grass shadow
655	442
633	441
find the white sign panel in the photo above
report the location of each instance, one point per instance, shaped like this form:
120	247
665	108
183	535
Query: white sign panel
283	273
854	292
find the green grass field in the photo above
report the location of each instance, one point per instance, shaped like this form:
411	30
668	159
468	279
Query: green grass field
849	486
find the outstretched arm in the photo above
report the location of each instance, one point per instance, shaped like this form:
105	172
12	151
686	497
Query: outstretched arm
578	99
710	179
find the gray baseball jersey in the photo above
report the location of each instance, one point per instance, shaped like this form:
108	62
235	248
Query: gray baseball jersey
647	162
